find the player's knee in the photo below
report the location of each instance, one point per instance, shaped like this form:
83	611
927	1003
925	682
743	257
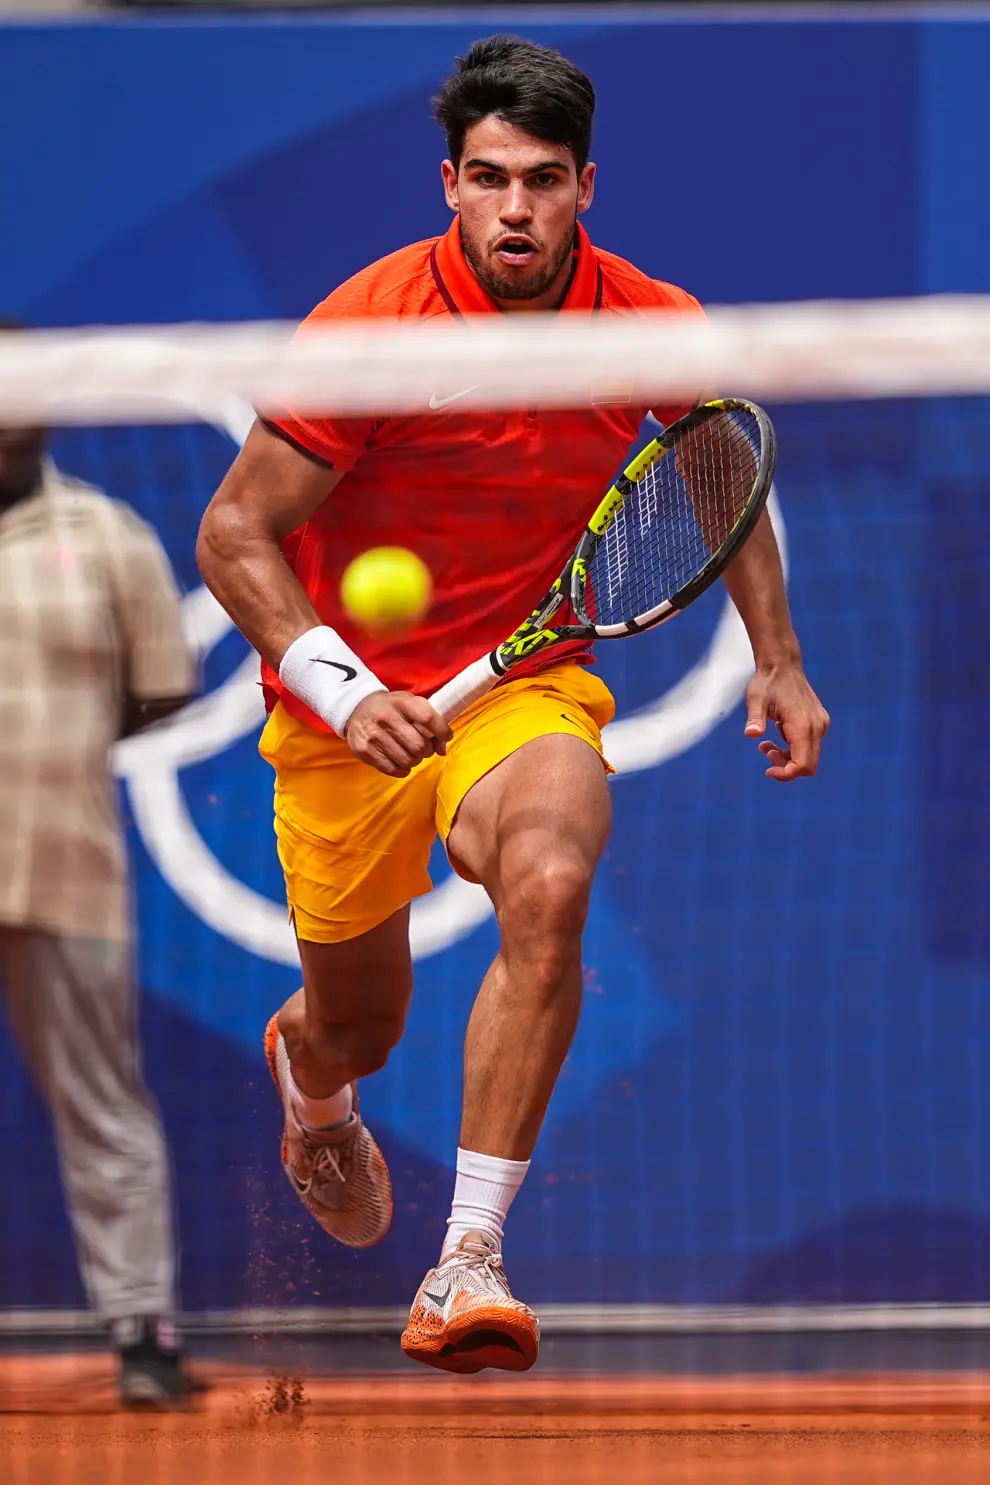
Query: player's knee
543	916
550	897
360	1048
368	1044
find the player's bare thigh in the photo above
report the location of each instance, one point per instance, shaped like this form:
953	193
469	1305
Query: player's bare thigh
352	1008
532	830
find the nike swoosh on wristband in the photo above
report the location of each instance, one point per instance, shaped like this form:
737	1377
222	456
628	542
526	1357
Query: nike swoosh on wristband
349	673
437	402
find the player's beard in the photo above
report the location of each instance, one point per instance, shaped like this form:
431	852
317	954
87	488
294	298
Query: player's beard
516	286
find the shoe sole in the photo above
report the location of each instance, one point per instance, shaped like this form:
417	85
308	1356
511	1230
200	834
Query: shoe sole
271	1057
462	1346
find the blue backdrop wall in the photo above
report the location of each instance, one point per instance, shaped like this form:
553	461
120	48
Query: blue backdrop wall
778	1088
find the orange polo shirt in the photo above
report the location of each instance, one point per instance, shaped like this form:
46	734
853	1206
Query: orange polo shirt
493	502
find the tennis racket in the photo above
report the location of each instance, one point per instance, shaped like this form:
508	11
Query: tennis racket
668	527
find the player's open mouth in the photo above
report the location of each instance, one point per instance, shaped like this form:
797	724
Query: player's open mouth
516	250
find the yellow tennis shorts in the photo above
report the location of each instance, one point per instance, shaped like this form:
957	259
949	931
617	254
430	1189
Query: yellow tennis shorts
355	844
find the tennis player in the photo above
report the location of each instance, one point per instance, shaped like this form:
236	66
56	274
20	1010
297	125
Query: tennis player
367	773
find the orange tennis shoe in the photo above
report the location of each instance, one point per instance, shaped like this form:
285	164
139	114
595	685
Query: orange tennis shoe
339	1175
464	1317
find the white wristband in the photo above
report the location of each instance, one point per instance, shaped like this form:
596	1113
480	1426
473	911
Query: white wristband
323	671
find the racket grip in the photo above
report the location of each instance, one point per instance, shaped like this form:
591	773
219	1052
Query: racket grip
471	683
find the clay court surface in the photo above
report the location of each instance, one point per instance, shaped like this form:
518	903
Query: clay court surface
59	1425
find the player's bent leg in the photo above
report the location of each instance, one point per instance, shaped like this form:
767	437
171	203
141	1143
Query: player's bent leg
339	1027
355	847
531	831
352	1008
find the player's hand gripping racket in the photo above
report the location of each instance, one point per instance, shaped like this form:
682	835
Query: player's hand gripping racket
668	527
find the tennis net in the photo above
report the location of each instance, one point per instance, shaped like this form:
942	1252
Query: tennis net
787	352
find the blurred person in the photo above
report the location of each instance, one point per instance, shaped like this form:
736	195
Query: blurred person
366	773
91	650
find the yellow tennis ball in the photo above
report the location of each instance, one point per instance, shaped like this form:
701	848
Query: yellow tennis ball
386	589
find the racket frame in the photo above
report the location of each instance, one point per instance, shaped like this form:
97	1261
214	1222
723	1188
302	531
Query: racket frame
624	485
535	634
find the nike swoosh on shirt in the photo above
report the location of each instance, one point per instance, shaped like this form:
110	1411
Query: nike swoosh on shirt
437	402
349	673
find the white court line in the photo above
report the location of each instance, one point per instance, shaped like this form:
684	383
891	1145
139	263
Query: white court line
555	1319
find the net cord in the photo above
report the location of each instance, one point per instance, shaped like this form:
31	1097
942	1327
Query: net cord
778	352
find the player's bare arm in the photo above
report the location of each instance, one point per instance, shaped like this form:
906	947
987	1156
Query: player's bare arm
269	491
780	690
272	489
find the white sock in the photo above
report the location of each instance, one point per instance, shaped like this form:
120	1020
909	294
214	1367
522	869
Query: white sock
320	1113
483	1194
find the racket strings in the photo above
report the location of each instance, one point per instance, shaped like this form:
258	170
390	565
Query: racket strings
682	511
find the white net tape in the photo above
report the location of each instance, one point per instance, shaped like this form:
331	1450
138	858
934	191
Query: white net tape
780	352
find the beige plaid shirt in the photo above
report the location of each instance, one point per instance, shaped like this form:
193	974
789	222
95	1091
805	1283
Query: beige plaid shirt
89	613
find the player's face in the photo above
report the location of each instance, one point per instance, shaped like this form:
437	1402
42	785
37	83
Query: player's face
21	451
519	199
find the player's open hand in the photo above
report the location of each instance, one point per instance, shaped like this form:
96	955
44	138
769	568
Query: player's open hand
782	694
394	730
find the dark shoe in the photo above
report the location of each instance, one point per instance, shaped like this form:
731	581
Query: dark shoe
151	1370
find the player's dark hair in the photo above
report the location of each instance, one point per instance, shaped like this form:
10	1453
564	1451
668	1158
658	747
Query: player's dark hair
530	86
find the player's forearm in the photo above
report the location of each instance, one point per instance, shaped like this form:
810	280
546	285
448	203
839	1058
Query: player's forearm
755	581
244	569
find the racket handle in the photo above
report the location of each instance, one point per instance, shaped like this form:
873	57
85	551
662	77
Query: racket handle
471	683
